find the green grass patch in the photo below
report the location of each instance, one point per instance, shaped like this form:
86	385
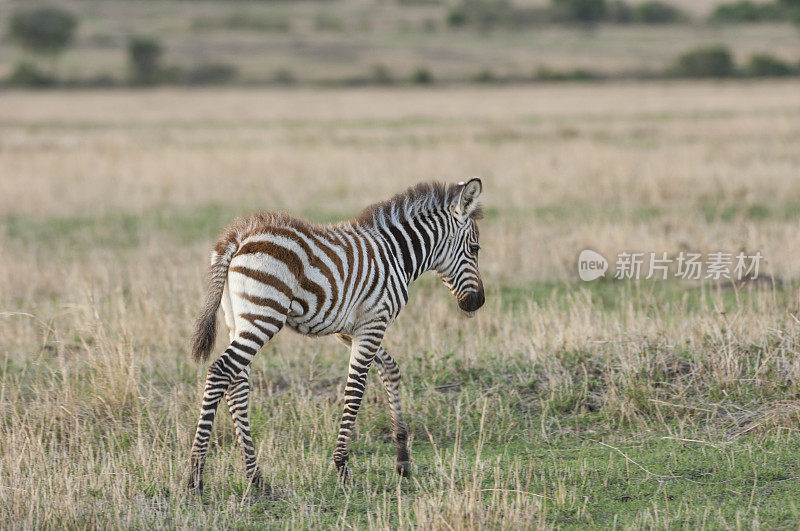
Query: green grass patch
648	296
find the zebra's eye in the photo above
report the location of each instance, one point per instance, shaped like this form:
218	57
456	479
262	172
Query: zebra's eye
474	248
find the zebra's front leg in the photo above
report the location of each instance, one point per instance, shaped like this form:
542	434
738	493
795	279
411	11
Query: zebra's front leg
390	375
362	351
238	396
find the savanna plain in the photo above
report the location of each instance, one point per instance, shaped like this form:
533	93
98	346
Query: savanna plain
627	404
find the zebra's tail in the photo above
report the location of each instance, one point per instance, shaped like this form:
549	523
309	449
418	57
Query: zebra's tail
205	329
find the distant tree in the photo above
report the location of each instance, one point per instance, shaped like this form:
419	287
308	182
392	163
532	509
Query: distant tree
792	9
487	15
45	30
580	11
26	74
764	65
705	61
144	54
747	11
422	76
481	14
457	17
658	12
620	12
485	76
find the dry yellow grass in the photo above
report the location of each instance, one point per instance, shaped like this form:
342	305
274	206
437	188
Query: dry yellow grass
614	150
109	202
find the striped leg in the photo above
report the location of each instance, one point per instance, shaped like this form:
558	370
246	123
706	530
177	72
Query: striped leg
221	374
390	374
237	397
362	351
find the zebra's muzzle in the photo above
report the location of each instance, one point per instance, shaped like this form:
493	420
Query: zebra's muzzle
472	302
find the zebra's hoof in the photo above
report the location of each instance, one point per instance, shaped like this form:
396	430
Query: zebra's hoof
258	483
403	468
344	474
195	489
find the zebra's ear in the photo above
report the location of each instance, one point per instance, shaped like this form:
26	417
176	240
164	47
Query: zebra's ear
468	198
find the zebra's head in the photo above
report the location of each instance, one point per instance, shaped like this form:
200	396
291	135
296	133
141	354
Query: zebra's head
458	268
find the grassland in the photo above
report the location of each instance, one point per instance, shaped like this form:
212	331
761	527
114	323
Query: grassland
319	42
562	404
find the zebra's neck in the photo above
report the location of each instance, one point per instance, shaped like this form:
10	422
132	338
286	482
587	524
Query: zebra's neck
415	243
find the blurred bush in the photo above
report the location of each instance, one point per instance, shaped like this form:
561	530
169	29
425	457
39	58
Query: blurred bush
380	75
764	65
620	12
580	11
26	74
792	9
422	76
651	12
491	14
545	73
747	11
704	61
45	30
485	76
657	12
144	55
482	14
457	17
244	21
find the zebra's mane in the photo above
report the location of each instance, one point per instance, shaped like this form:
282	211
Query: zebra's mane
417	201
414	202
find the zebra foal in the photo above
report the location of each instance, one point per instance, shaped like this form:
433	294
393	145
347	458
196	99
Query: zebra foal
349	279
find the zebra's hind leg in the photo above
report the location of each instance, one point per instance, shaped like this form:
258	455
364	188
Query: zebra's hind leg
238	396
220	376
390	375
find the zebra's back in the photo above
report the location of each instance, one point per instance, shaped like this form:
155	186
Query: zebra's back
317	275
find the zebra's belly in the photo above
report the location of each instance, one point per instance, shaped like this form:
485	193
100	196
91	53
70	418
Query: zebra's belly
316	326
